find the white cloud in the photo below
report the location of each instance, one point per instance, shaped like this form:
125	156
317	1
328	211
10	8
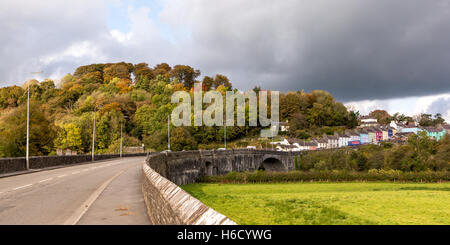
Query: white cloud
409	106
354	49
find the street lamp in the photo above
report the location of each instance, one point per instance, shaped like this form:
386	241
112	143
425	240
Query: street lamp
225	135
168	132
121	123
28	121
93	135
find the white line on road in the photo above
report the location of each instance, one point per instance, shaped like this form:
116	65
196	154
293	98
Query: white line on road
64	175
73	220
20	187
45	180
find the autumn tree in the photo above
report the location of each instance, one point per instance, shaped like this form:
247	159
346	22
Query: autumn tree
120	70
13	130
185	74
208	82
382	116
221	80
162	69
142	76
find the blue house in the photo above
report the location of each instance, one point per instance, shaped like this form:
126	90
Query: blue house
411	128
364	136
390	132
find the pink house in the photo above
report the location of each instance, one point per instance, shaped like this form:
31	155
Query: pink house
379	134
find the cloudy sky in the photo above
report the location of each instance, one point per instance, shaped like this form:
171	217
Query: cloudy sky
371	54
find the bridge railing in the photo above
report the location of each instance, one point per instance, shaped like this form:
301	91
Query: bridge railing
14	164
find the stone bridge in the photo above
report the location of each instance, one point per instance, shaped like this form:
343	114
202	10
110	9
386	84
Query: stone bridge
187	166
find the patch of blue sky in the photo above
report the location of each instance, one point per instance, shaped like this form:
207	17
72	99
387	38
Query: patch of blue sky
119	19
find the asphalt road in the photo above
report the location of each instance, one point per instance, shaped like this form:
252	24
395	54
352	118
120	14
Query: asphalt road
106	192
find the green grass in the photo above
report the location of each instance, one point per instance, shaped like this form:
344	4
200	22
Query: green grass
328	203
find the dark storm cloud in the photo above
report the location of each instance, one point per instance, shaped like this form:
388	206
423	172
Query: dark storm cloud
355	49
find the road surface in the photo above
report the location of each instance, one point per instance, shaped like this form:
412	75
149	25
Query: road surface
105	192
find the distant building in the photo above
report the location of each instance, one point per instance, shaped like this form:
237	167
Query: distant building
396	127
343	140
312	145
286	148
401	137
283	142
378	134
435	133
385	131
354	135
332	141
283	126
364	137
411	128
367	121
321	143
372	135
446	128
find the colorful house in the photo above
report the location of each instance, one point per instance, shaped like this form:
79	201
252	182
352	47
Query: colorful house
354	135
435	133
391	131
385	133
372	135
411	128
364	137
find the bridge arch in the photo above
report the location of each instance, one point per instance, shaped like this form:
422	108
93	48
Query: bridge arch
272	164
210	169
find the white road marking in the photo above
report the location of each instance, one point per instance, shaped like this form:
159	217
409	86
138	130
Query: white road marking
20	187
45	180
73	220
64	175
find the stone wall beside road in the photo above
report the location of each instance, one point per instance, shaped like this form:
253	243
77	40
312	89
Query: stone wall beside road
168	204
9	165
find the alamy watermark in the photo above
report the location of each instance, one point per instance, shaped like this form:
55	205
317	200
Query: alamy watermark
213	114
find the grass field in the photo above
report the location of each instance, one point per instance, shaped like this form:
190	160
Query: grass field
328	203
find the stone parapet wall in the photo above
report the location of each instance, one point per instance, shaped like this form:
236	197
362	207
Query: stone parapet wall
163	172
168	204
9	165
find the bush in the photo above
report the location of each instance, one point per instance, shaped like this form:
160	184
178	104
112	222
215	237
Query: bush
328	175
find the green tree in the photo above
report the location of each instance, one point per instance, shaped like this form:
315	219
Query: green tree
185	74
13	130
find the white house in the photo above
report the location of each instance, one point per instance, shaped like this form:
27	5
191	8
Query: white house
367	121
332	141
343	140
321	143
354	135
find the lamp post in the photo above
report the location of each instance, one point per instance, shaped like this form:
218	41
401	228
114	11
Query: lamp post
225	135
121	124
168	132
28	122
93	136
